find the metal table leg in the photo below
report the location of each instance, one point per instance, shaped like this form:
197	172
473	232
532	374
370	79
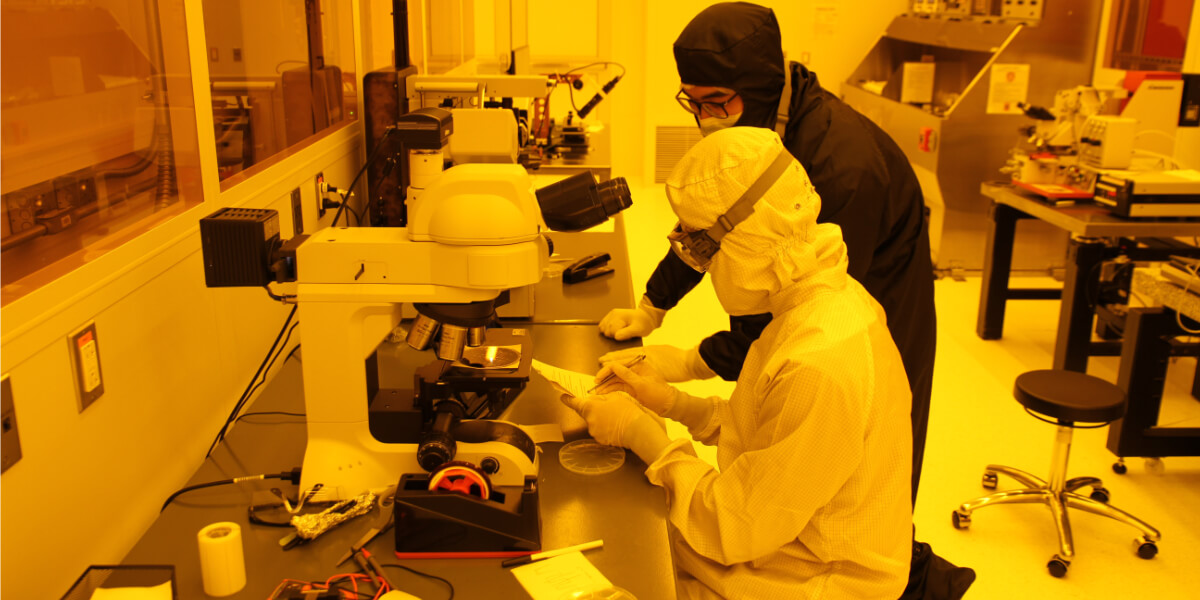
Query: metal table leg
1073	343
997	262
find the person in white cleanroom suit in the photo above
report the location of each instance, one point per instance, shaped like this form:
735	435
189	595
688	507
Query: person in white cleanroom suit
811	499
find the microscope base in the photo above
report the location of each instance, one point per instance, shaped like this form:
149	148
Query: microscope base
436	522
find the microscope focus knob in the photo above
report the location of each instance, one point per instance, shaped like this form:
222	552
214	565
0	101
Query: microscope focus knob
435	450
489	465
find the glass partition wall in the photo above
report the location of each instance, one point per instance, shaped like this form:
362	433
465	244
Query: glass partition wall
282	74
97	131
98	127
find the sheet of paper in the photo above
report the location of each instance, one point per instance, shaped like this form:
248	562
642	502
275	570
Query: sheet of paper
826	18
566	576
1009	86
916	84
162	591
545	432
571	382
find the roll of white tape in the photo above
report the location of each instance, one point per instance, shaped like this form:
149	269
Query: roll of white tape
222	564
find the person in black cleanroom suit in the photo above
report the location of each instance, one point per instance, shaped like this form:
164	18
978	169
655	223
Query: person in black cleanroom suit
866	186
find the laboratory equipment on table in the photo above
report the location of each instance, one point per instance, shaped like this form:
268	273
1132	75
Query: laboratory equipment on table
1048	157
475	231
1079	150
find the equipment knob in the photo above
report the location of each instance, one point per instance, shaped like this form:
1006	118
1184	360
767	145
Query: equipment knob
489	465
435	450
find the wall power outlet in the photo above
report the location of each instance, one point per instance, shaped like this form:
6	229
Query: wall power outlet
10	441
85	355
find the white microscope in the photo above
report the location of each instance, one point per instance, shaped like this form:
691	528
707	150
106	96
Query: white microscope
475	231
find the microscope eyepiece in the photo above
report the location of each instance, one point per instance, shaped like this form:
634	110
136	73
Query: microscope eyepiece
579	202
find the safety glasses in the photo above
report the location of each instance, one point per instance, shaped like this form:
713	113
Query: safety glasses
694	248
710	108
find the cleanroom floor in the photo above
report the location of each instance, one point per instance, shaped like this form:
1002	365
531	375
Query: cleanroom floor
975	421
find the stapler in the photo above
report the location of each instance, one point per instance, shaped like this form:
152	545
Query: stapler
587	268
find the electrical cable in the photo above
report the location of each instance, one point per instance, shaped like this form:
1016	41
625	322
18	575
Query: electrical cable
271	412
273	295
251	386
292	476
305	588
426	575
599	62
1163	158
389	164
1178	316
1155	131
254	519
370	159
607	87
272	363
250	394
1091	290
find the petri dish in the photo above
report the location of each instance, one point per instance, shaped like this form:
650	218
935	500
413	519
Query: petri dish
589	457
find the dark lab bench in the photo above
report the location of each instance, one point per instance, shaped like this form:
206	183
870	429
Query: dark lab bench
1091	228
621	507
1150	342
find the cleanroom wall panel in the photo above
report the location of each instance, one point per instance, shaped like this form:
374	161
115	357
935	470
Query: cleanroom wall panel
564	33
830	36
621	38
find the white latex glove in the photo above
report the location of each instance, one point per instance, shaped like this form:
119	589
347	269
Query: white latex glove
618	420
674	364
641	382
625	323
694	413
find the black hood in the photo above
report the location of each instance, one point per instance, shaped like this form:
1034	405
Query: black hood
808	115
736	45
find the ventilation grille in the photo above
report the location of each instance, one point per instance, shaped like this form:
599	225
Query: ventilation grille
670	144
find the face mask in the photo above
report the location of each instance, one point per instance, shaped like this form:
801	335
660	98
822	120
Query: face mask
713	124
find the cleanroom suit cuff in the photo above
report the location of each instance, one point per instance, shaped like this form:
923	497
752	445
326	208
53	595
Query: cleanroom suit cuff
656	471
694	413
656	314
696	366
646	438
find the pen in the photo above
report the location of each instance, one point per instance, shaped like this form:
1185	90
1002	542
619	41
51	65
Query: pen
524	560
366	568
639	358
378	568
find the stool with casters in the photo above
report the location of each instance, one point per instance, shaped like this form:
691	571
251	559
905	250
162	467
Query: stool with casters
1066	398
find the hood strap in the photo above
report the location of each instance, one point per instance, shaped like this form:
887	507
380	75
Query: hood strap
744	206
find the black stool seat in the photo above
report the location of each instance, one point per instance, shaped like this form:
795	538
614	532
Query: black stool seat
1070	396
